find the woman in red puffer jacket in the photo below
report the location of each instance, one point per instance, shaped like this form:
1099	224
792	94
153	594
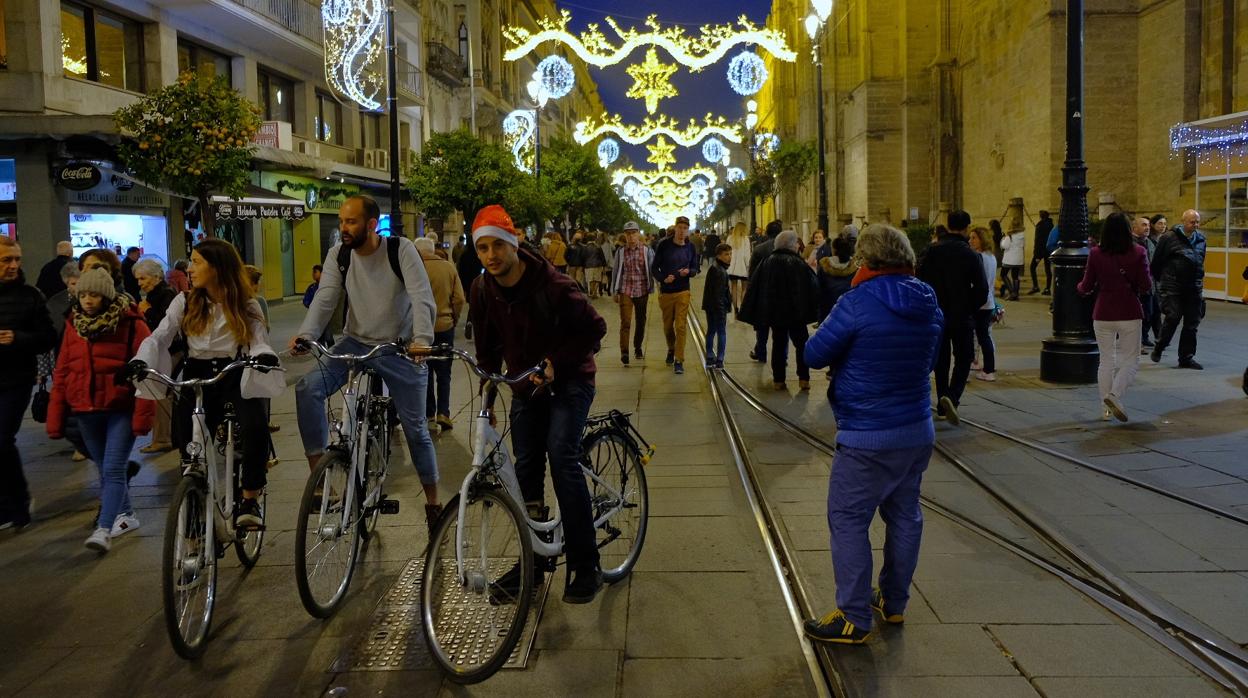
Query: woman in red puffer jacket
102	333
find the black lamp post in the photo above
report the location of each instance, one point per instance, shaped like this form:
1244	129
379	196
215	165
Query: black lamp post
392	103
1070	355
815	23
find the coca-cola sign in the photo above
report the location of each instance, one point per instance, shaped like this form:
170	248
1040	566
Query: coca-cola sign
79	176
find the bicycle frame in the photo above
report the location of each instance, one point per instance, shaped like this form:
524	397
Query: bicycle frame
204	464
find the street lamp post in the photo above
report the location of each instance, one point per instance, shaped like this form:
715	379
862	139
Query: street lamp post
540	96
815	23
392	102
1070	355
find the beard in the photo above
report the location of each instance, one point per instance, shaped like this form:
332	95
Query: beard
353	241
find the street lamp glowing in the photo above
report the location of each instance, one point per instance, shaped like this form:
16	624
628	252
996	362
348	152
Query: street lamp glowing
751	120
812	26
823	8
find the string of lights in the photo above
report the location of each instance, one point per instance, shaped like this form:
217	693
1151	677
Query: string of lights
1208	145
518	130
648	177
637	134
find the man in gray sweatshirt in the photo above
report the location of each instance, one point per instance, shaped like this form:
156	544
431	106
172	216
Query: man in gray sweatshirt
388	298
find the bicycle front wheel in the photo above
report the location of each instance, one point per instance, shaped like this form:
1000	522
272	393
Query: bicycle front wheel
327	536
620	491
473	621
189	581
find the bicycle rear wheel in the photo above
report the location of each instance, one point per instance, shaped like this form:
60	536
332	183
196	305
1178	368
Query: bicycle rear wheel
189	579
327	536
472	622
247	543
613	459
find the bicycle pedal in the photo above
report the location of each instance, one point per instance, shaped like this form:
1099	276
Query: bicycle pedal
388	506
242	531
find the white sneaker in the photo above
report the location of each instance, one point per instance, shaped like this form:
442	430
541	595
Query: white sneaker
123	524
1114	407
99	540
990	377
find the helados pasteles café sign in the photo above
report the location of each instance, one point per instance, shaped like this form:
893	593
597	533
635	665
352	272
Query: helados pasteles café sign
248	210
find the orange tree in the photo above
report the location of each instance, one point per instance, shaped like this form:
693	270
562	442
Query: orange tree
192	138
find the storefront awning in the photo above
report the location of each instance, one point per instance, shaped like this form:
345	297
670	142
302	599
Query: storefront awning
258	203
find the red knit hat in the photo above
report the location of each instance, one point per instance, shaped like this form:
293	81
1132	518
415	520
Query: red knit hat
493	222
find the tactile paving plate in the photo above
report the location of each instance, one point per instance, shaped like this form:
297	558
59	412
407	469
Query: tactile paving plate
395	638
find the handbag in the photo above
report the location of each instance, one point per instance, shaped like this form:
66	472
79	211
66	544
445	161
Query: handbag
39	403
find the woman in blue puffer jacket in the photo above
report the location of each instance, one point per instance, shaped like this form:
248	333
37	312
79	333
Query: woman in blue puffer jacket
880	340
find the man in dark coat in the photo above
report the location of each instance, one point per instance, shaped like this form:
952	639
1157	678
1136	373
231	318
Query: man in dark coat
954	271
1179	268
25	332
1040	254
784	297
758	253
129	283
49	282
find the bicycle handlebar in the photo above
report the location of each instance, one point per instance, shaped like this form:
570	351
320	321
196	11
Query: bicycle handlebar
441	352
397	344
249	362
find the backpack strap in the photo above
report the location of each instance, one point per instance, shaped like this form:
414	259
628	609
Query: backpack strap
392	252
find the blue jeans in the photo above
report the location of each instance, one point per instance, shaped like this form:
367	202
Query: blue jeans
551	425
407	382
440	374
109	440
716	331
863	481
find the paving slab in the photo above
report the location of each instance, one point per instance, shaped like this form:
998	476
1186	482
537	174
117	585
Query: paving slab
1087	650
1220	599
1125	687
947	687
715	678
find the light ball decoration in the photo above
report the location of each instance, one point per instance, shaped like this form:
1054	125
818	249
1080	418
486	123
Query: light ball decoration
766	142
713	150
608	151
518	132
556	75
747	73
735	174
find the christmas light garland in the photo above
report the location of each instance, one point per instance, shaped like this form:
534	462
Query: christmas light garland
518	130
354	41
1209	145
637	134
694	52
648	177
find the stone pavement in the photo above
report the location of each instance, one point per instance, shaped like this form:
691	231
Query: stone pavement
700	615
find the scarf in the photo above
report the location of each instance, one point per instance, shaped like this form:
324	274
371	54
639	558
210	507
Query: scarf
93	327
865	274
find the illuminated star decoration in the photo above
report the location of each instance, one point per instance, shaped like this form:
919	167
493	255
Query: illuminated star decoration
651	81
354	42
636	134
661	153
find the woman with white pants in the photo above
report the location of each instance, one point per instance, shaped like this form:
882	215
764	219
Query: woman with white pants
1118	274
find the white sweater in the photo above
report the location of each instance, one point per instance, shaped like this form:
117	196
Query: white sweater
1013	245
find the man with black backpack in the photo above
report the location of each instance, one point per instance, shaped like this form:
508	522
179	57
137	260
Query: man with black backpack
386	279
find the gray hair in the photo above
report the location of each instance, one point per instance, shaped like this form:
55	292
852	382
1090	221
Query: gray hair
787	241
424	245
149	267
884	247
69	271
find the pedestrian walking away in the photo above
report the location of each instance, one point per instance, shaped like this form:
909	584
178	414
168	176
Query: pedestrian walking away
394	299
880	340
981	242
759	253
739	268
104	333
956	274
675	262
130	284
836	270
1179	269
717	302
784	295
448	295
631	286
1117	272
1140	228
1040	254
526	312
25	332
50	282
1013	246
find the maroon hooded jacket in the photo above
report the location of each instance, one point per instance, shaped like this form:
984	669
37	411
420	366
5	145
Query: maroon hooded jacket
544	316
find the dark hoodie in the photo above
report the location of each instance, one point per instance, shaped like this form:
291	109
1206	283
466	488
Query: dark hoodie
24	311
543	316
880	340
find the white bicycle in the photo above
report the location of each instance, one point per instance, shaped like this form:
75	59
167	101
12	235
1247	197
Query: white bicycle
472	617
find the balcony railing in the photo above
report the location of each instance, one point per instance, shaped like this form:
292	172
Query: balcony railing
302	17
410	79
445	65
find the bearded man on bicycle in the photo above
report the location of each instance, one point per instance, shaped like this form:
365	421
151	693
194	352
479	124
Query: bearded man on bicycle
525	311
388	297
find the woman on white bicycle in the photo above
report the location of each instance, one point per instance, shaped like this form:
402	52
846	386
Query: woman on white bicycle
220	319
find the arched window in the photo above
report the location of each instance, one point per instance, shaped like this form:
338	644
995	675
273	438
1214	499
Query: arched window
463	42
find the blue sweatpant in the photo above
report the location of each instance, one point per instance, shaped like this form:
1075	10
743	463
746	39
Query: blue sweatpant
863	481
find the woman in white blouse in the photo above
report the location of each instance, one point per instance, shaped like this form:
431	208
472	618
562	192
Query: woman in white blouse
220	320
739	267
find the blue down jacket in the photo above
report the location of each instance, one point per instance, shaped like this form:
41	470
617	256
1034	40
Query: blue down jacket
881	341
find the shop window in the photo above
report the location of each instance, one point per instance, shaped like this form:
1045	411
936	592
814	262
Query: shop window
328	119
277	98
203	61
101	47
370	129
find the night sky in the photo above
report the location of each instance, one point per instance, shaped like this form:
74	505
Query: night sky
706	91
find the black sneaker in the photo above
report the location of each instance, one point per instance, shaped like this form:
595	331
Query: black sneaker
760	358
639	354
583	585
1047	292
1147	343
1033	291
250	516
679	367
624	358
1192	364
890	615
1155	354
671	357
506	589
836	628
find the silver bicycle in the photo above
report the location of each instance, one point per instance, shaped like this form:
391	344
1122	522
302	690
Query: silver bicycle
473	606
345	492
200	524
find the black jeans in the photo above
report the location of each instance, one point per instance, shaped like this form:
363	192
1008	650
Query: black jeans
1048	271
550	426
958	343
438	400
780	339
761	333
14	497
1176	308
983	335
1010	281
1148	302
253	421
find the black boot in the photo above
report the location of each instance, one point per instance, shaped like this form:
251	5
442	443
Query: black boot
583	585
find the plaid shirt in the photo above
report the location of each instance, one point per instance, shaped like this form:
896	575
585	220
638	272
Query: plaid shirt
634	281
